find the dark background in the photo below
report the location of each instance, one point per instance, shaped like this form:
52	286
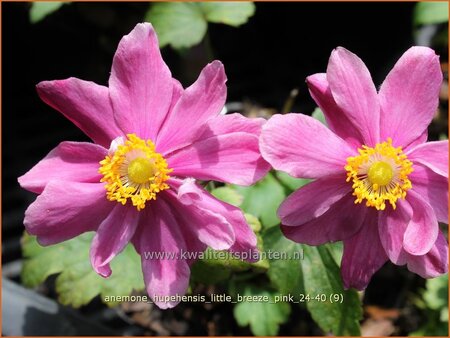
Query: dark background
265	59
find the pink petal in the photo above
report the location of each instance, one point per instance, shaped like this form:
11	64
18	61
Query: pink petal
69	161
193	245
232	158
423	228
112	236
245	240
303	147
354	92
421	139
341	221
363	254
433	155
65	210
222	125
245	245
227	124
168	273
140	84
203	100
392	226
409	96
434	263
84	103
312	200
194	205
433	188
336	119
177	92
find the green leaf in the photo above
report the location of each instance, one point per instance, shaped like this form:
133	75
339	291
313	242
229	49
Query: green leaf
263	199
426	13
253	221
435	307
202	272
318	115
77	284
436	293
184	24
179	24
321	275
39	10
264	318
228	195
230	13
291	182
336	250
285	274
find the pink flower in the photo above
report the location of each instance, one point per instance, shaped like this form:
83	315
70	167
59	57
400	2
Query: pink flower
379	187
136	183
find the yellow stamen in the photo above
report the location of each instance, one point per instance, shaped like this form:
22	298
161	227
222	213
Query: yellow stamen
134	171
379	174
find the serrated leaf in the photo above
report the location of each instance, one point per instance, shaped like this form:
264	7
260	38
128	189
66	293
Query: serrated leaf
285	274
77	284
39	10
426	13
264	318
229	12
263	199
291	182
179	24
228	195
321	275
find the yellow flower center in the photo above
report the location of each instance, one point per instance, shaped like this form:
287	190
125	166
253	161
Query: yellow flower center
379	174
140	170
134	171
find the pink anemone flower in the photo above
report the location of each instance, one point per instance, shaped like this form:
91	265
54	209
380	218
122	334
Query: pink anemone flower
379	186
136	182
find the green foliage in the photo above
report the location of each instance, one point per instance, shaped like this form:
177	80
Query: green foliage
290	182
436	294
39	10
264	318
312	274
180	24
209	272
229	195
435	305
229	13
318	115
443	137
426	13
184	24
254	222
322	276
77	283
263	199
285	274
